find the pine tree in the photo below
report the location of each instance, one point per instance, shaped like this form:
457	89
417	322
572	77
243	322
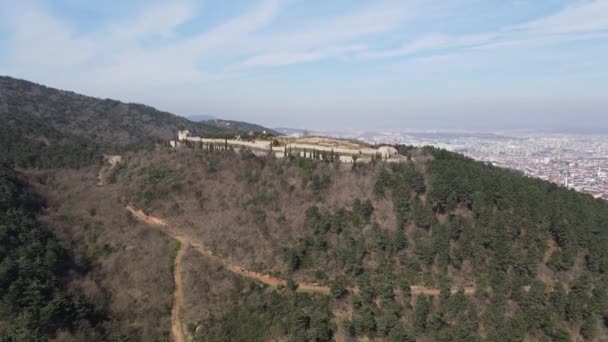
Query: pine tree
421	314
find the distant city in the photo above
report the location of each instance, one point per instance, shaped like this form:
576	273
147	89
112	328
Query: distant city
579	162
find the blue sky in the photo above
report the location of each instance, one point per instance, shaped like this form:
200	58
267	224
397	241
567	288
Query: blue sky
450	64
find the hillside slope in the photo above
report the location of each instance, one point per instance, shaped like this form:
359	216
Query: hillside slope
436	248
37	300
43	126
231	125
502	257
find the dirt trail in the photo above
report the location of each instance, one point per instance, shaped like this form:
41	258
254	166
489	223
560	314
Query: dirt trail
187	240
113	161
178	294
264	278
421	290
551	247
100	177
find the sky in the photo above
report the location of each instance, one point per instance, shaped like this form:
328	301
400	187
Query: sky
317	64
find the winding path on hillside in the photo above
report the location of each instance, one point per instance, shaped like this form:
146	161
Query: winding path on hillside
263	278
100	177
112	160
188	240
178	294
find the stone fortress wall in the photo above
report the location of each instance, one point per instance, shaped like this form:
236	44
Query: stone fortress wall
344	152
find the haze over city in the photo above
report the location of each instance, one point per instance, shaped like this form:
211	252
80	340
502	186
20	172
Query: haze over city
475	65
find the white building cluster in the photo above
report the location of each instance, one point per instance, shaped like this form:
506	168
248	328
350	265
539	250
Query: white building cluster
281	147
577	161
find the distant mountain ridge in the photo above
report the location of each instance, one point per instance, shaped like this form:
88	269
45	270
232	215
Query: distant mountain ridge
47	127
199	118
295	131
232	125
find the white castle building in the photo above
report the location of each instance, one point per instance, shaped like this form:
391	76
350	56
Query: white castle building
344	153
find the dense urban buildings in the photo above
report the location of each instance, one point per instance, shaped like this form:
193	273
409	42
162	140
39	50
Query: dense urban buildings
578	162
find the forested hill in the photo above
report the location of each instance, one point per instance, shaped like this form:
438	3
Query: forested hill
231	125
516	214
439	248
35	301
42	126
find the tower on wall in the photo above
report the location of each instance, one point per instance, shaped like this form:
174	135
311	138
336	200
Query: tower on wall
183	135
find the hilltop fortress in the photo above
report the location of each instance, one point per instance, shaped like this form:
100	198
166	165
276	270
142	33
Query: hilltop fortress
322	148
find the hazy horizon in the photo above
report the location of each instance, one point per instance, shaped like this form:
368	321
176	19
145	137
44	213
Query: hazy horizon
354	65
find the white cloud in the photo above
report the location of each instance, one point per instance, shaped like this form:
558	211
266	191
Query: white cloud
431	42
178	62
380	17
159	19
46	46
330	38
39	40
582	17
582	21
230	32
286	58
114	55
